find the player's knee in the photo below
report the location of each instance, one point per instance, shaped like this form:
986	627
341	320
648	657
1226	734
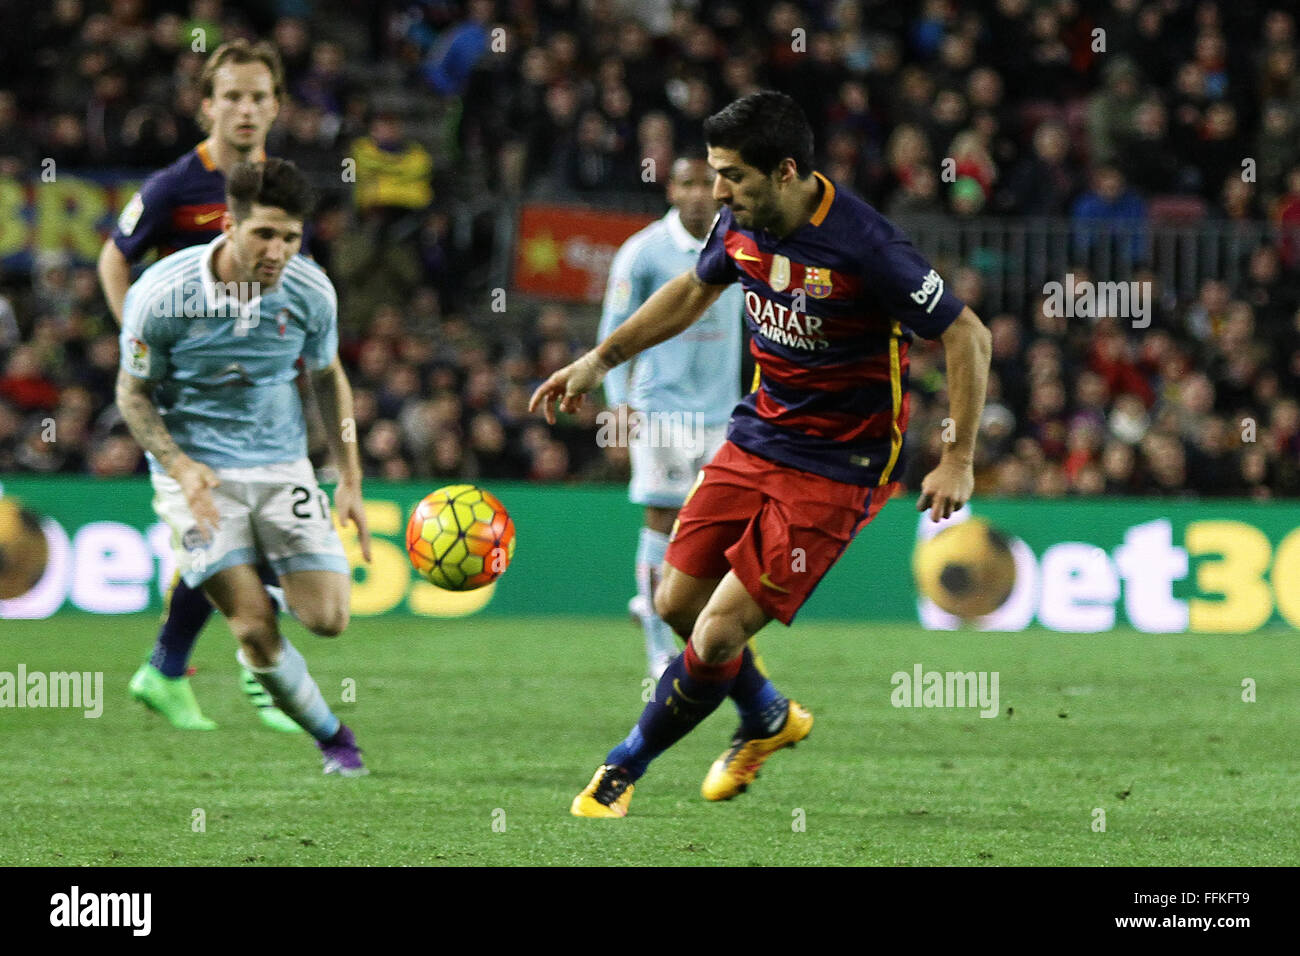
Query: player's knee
329	618
333	624
673	611
257	636
717	637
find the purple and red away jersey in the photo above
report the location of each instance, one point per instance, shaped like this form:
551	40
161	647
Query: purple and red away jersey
177	207
831	309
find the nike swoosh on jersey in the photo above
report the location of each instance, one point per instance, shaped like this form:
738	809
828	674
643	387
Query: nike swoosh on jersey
207	217
745	257
767	582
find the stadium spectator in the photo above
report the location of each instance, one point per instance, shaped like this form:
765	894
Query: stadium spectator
452	59
24	385
1043	183
1276	150
1218	154
1111	357
17	152
1144	155
393	177
325	85
115	457
1109	210
1209	458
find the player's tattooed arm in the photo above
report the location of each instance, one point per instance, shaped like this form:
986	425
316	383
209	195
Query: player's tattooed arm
142	418
613	354
147	427
674	307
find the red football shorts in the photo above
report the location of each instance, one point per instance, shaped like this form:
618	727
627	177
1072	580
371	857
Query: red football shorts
779	528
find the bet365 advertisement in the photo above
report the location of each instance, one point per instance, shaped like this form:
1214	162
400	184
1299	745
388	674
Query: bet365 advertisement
1081	566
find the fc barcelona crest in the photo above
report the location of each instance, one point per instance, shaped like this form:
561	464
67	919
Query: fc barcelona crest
817	282
779	277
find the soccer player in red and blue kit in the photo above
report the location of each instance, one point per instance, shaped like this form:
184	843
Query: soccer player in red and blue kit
178	207
833	292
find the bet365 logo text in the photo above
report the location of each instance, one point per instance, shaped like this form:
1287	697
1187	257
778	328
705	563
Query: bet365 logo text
1223	577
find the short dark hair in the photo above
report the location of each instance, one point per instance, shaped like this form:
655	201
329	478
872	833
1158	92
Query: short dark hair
276	182
693	153
765	128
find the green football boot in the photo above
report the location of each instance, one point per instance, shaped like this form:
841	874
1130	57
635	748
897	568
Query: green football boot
170	696
267	712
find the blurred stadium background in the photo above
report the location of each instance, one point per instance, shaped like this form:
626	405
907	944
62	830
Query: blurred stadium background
496	174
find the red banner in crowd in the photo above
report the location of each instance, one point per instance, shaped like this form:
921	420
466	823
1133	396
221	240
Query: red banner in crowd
564	252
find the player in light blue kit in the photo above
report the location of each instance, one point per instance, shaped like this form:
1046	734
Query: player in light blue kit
211	337
679	394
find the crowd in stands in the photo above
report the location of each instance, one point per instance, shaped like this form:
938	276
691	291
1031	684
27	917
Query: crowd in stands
1099	110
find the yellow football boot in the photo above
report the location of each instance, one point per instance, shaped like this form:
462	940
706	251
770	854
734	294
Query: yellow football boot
735	770
608	794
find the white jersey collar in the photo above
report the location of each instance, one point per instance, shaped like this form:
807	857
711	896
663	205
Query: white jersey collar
681	238
214	295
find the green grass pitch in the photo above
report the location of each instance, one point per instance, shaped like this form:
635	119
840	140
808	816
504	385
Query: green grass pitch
479	732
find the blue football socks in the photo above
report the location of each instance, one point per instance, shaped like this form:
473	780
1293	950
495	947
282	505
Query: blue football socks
688	691
762	707
187	612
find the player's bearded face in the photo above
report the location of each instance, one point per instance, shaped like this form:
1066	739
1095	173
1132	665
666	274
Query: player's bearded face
751	194
263	243
242	106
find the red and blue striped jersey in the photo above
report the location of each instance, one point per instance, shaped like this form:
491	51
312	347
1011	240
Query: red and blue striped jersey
831	309
177	207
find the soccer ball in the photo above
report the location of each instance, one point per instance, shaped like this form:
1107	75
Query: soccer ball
23	551
966	569
460	538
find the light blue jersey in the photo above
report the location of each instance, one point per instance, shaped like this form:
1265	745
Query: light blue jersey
697	371
225	372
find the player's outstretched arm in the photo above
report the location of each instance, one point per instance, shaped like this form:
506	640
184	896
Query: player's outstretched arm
334	398
673	308
114	276
968	349
195	478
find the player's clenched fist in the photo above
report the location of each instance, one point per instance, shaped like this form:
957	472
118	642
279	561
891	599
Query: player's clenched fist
568	385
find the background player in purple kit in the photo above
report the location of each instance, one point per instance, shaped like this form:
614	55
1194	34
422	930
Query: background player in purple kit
833	293
177	207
